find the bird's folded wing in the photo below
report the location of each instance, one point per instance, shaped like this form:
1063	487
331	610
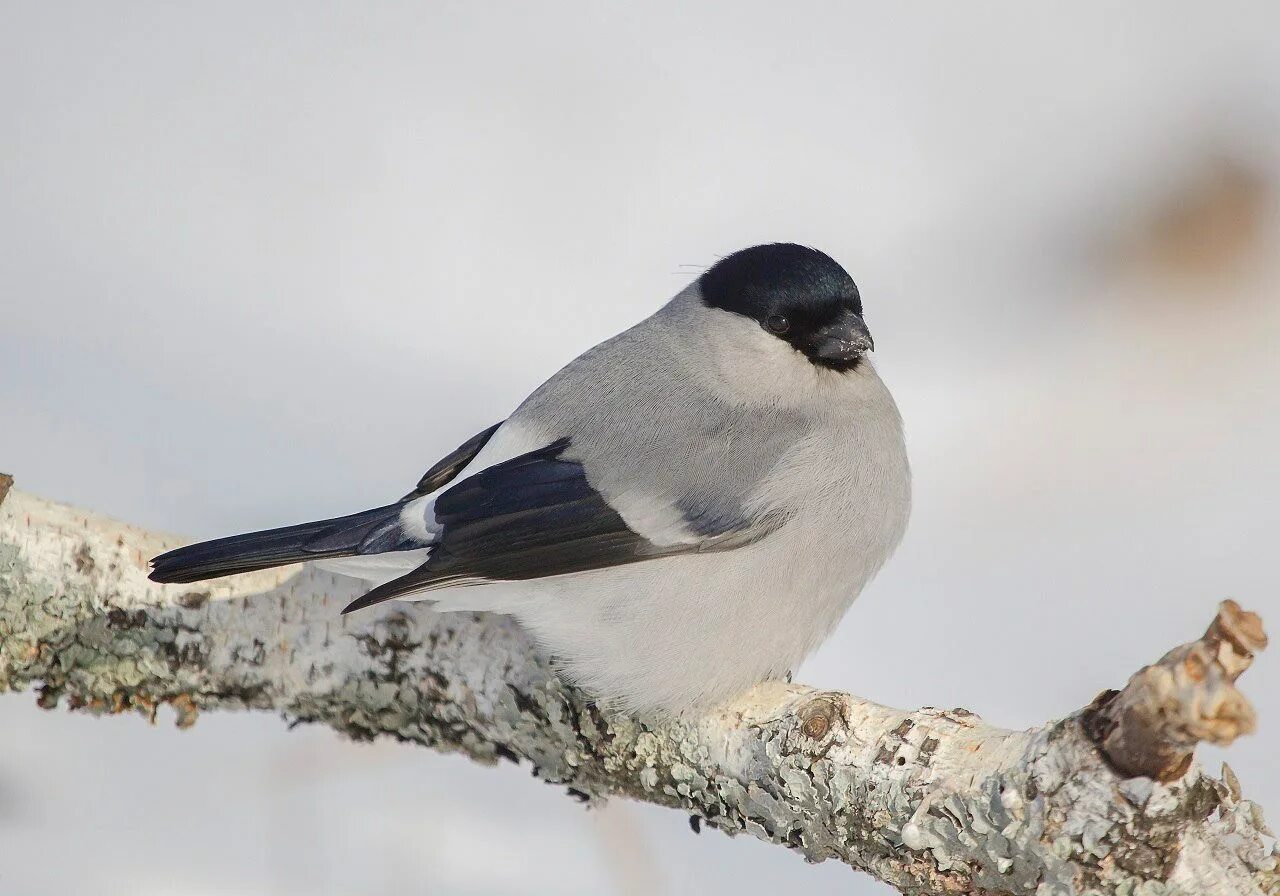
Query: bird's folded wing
449	466
536	515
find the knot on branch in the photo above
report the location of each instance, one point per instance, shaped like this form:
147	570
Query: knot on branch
1151	727
817	723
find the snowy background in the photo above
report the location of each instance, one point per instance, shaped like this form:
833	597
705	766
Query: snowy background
266	262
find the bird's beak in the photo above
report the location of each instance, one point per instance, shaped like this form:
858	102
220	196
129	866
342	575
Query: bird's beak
843	340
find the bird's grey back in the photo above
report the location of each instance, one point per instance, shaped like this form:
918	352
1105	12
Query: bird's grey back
648	429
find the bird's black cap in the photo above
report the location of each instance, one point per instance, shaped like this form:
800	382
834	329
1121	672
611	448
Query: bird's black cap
801	295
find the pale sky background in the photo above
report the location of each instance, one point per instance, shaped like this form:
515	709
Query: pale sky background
265	262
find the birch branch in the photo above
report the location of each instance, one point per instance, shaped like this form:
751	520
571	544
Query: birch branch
1108	800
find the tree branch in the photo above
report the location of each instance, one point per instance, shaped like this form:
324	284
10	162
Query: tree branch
932	801
1151	728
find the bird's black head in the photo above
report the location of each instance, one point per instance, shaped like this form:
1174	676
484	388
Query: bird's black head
799	295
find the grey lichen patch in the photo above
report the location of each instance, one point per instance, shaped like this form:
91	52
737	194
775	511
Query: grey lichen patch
985	832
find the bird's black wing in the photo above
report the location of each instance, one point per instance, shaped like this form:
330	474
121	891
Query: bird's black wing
451	464
534	516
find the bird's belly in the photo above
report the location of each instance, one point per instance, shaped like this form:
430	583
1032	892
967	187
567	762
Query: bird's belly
686	633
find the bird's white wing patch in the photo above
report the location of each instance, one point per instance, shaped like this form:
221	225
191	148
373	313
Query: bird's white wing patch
659	521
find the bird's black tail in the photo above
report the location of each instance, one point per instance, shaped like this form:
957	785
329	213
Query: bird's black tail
368	532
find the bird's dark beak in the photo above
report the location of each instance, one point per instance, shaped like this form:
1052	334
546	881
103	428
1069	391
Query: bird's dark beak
843	340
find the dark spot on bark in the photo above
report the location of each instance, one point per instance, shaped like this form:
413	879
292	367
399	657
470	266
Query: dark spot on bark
598	720
904	728
1030	791
885	754
192	600
254	655
123	619
1097	725
578	795
695	823
523	702
391	645
959	715
504	752
189	654
255	696
1089	877
1202	800
927	749
47	697
902	760
437	681
1143	860
83	558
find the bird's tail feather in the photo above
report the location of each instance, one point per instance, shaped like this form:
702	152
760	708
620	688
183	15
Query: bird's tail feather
370	531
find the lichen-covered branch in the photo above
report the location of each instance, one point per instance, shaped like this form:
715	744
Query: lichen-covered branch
932	801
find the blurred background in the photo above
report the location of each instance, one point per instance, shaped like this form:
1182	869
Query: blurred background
266	262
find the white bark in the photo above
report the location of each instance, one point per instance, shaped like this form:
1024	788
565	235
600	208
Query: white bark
932	801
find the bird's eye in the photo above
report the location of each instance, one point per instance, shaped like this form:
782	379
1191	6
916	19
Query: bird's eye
777	324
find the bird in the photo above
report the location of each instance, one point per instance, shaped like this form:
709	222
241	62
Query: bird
682	512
